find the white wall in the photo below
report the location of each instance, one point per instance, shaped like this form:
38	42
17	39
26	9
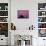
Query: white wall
32	6
23	24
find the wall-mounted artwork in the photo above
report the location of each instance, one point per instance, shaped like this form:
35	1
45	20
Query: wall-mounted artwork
3	13
41	19
42	32
3	19
23	14
41	25
4	29
41	6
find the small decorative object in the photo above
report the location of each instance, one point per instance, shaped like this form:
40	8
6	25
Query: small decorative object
13	27
31	27
43	13
6	7
23	13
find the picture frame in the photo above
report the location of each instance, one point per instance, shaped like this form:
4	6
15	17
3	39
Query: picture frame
22	14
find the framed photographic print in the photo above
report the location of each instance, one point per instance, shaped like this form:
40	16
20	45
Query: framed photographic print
4	29
42	32
21	14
